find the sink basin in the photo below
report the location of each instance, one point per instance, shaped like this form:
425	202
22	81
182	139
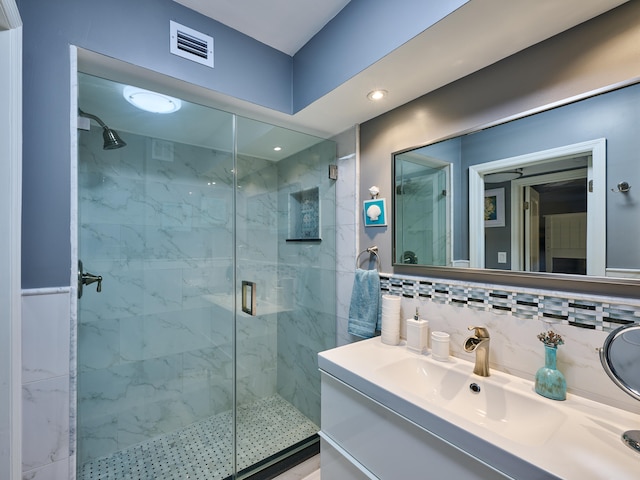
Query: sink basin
495	403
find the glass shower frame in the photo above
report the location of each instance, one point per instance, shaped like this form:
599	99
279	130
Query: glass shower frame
175	370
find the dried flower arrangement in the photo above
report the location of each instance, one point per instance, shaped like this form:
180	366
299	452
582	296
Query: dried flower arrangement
550	339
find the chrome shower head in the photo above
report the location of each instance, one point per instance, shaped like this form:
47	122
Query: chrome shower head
111	138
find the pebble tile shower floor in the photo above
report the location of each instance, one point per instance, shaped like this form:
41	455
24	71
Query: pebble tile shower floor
202	451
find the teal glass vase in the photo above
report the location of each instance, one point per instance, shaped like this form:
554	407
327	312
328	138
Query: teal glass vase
550	381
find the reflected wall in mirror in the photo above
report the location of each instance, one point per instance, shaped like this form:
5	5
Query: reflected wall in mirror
559	170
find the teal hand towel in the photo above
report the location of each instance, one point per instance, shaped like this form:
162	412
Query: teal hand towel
364	309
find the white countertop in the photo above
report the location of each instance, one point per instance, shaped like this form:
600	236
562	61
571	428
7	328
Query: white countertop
582	442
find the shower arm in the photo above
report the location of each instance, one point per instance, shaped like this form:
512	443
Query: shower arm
111	138
88	115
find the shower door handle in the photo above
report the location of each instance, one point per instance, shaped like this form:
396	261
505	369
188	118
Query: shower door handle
86	278
249	297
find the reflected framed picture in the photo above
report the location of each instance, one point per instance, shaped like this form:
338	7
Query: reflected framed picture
375	213
494	207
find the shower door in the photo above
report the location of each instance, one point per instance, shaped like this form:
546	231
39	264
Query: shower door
174	379
285	248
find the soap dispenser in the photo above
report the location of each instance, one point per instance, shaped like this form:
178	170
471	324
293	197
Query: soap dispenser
417	333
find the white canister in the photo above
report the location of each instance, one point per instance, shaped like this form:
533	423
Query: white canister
417	335
390	331
440	346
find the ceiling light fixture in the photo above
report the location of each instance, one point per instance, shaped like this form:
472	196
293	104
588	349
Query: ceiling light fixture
151	101
277	149
376	95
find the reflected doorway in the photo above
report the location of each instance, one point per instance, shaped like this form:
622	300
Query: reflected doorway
553	219
584	162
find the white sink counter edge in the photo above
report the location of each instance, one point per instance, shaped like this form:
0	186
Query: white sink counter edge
586	446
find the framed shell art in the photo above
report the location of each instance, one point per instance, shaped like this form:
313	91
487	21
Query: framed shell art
375	213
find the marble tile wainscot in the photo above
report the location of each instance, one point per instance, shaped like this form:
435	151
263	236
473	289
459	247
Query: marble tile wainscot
46	387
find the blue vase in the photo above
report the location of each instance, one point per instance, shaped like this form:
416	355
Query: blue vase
550	381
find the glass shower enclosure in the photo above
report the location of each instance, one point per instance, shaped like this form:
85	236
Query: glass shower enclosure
215	255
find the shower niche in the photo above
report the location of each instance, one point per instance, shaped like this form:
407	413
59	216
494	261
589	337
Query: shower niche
304	215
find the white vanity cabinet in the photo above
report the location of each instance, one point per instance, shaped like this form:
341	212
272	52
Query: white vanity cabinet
391	414
362	439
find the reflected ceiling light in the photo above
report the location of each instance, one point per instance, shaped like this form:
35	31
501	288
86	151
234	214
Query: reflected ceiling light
151	101
506	176
277	149
376	95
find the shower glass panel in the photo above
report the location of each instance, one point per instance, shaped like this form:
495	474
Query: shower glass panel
174	379
278	383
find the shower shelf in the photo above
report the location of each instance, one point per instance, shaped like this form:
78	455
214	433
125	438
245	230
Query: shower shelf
304	216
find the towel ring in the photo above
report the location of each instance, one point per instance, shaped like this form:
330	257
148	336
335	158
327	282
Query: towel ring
371	251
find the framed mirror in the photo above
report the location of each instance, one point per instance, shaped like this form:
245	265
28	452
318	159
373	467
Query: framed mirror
538	195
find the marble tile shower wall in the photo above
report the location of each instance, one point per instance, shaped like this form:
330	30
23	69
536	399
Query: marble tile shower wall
514	317
347	215
306	324
154	348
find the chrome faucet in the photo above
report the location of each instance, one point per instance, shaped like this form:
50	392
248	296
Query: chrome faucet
479	343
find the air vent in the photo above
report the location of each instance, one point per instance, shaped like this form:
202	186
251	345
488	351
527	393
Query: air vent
162	150
190	44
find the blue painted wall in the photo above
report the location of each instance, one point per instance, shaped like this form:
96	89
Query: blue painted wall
360	35
135	32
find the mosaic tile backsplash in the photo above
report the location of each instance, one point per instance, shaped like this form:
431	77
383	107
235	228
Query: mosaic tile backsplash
597	314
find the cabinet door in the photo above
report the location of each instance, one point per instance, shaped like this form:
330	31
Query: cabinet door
388	445
334	464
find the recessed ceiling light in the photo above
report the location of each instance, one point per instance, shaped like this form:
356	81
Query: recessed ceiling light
376	95
151	101
277	149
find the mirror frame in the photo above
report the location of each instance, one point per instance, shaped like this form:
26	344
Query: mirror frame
595	285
